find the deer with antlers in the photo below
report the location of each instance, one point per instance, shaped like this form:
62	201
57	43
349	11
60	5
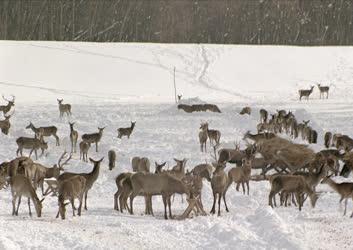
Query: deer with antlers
10	103
64	108
41	132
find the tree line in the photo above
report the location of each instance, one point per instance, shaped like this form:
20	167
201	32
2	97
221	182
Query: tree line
291	22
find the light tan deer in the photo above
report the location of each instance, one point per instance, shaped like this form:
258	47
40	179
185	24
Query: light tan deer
94	138
6	108
45	132
73	137
90	177
203	136
305	93
323	90
71	189
140	164
159	167
64	108
22	186
31	143
126	131
344	189
84	147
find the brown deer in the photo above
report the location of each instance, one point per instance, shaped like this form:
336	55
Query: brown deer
94	138
159	167
90	177
73	137
263	115
305	93
213	135
140	164
241	175
327	139
126	131
112	159
31	143
22	186
84	147
323	90
203	136
245	110
70	189
219	187
10	103
44	132
64	108
5	125
344	189
179	97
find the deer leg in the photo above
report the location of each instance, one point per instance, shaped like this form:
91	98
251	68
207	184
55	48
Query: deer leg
165	207
97	147
224	200
116	196
18	150
14	197
86	200
219	203
345	206
243	186
214	203
247	185
29	207
18	204
73	206
169	205
270	197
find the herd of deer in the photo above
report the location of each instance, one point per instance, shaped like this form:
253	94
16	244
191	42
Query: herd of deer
300	169
307	92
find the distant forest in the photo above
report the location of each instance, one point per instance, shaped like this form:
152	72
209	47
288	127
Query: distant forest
291	22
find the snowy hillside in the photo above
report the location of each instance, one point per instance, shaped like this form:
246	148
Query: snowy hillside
113	84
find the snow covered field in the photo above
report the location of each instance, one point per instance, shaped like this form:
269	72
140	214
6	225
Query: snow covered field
113	84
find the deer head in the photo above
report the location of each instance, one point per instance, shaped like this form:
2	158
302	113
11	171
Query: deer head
60	101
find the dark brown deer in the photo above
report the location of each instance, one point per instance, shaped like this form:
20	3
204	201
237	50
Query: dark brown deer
305	93
327	139
126	131
10	103
323	90
45	132
73	137
93	138
263	115
64	108
5	125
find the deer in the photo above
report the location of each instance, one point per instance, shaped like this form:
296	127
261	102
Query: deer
179	97
323	90
70	189
258	137
327	139
119	181
245	110
157	184
22	186
305	93
5	125
203	136
31	143
140	164
112	159
344	189
84	147
159	167
43	172
10	103
44	132
73	137
94	137
90	177
301	127
219	187
213	135
64	108
263	116
126	131
241	175
292	184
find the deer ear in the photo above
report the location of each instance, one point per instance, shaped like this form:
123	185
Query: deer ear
163	164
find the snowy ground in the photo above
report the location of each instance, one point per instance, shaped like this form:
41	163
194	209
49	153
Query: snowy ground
162	133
